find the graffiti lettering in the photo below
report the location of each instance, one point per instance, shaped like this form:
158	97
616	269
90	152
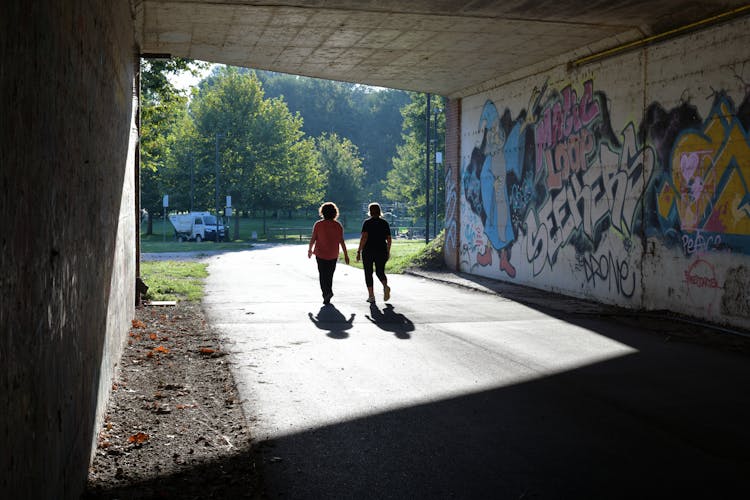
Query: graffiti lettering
698	244
701	274
586	201
568	157
537	239
635	168
610	269
560	120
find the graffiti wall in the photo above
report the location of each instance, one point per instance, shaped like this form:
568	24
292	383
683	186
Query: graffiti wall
627	183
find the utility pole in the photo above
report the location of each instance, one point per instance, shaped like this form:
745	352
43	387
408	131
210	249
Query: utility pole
427	173
192	179
217	186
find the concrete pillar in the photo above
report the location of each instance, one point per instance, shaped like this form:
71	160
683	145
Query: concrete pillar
452	183
67	253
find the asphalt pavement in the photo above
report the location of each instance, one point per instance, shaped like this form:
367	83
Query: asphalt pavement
460	387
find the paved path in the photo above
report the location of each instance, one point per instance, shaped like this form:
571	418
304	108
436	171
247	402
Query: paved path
448	392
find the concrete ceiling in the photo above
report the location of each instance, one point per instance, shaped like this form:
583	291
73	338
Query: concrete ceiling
447	47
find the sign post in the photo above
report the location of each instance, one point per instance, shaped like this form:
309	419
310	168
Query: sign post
165	204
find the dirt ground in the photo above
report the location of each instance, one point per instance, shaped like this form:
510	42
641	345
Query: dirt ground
174	426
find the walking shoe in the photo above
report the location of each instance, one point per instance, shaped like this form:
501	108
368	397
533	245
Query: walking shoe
371	300
386	292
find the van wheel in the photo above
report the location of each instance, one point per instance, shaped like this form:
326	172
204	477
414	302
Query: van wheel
198	238
181	239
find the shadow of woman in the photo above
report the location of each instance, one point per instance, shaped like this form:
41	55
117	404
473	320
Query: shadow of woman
329	318
391	321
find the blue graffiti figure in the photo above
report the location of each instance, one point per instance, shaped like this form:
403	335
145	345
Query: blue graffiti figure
485	183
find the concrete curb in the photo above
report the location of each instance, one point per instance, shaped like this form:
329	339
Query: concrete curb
546	300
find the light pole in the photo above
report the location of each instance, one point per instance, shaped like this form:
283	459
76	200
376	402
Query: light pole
218	134
427	173
435	191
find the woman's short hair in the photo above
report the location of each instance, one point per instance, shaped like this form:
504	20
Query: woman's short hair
374	209
329	211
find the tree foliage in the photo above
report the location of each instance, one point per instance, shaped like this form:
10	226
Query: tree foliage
163	115
235	135
369	118
342	168
406	182
255	145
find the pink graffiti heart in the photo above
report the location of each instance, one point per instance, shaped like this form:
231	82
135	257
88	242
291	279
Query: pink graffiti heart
688	165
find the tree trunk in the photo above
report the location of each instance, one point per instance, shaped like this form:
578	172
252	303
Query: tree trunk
150	225
237	225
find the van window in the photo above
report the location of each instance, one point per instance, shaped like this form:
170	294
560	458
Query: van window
198	220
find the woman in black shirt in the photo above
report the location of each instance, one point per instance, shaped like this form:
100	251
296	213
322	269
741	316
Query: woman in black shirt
375	249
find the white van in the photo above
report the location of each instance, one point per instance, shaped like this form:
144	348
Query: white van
198	226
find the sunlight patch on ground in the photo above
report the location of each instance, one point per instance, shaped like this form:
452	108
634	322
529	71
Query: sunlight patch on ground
337	381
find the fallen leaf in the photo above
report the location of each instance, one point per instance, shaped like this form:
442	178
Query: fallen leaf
152	336
138	324
207	350
161	349
138	438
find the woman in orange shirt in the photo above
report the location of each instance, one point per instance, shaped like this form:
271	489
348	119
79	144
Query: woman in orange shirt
327	235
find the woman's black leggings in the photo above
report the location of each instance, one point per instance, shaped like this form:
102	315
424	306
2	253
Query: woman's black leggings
378	259
326	268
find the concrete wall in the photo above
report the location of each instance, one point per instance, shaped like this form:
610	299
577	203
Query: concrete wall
67	258
625	181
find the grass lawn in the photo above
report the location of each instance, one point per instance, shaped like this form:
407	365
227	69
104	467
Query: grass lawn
295	230
156	244
173	280
402	254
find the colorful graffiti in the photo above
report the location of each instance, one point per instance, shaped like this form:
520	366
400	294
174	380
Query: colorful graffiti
604	194
560	178
563	133
557	176
702	198
486	185
451	214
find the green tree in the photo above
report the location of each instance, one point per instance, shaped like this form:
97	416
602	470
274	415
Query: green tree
254	145
406	182
163	119
342	168
369	118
